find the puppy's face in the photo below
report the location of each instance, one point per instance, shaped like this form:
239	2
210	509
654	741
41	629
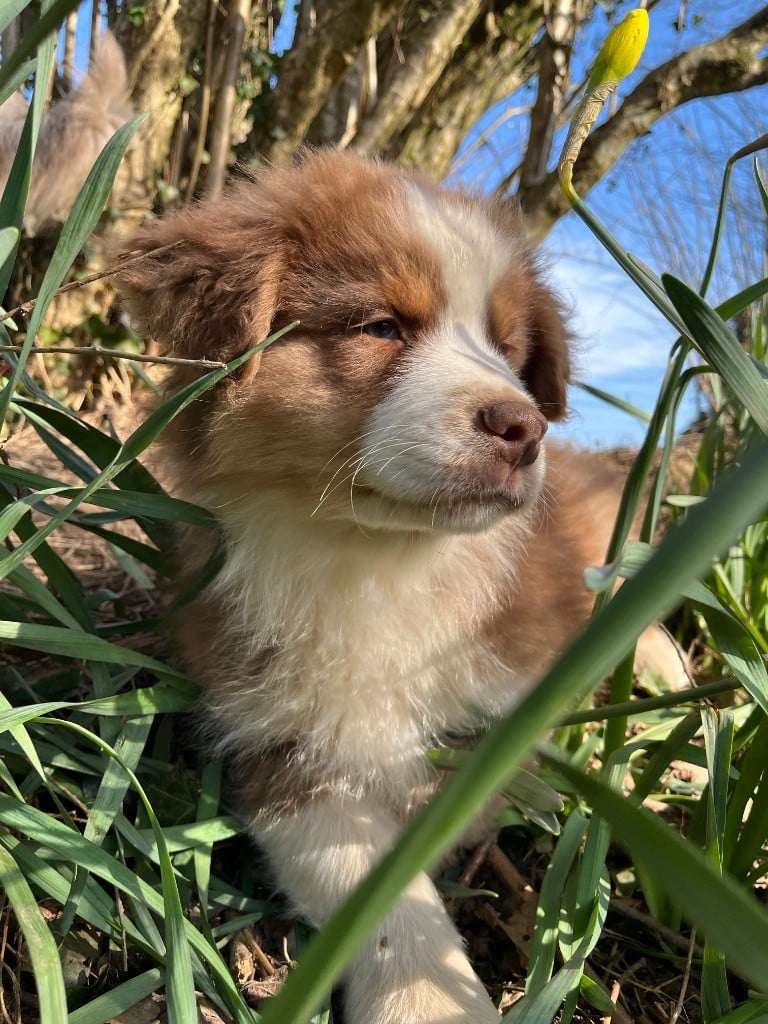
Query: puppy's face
415	392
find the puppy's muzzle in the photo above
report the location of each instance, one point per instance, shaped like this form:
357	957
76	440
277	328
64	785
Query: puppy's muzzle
517	430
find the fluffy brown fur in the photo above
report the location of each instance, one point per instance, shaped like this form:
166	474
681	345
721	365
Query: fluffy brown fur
404	553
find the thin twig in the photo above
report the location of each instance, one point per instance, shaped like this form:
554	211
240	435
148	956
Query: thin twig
663	932
266	965
121	919
86	350
686	976
27	307
479	854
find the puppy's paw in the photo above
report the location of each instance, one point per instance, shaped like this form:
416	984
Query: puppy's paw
451	1000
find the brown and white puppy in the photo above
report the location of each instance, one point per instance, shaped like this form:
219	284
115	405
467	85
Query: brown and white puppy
403	558
73	132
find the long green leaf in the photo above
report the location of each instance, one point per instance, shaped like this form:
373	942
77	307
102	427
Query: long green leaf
120	999
115	782
70	847
131	448
71	643
556	876
715	342
46	25
718	740
180	696
14	195
41	946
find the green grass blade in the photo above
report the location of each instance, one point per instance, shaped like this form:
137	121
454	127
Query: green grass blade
737	303
17	80
180	988
553	887
46	25
615	401
100	447
119	999
718	740
180	696
95	908
133	504
739	651
70	847
542	1008
747	1013
10	9
720	348
29	584
761	187
749	847
14	195
648	282
667	751
129	746
71	643
127	452
41	946
9	238
207	809
731	920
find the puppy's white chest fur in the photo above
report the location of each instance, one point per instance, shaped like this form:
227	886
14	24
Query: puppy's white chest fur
367	648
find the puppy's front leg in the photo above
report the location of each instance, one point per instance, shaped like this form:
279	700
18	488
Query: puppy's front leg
413	970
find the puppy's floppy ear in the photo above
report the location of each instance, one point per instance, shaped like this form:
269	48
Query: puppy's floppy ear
547	370
203	282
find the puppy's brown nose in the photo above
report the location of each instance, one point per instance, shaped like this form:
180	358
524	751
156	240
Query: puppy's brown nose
517	429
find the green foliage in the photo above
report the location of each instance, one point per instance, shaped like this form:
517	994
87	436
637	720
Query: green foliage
85	731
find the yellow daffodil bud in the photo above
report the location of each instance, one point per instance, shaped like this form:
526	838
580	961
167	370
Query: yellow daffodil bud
618	56
621	50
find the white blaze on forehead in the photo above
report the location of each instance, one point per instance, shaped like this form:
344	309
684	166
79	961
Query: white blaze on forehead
427	421
473	253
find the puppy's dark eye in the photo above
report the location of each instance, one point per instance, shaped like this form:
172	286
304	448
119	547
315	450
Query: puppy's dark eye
386	329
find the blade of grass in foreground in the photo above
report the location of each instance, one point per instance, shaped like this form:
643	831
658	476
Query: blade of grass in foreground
733	921
46	25
40	943
684	554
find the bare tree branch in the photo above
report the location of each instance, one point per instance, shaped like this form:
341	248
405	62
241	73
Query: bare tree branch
317	63
729	64
237	16
430	48
495	59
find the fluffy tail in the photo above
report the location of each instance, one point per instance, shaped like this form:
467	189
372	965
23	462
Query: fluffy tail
72	134
102	93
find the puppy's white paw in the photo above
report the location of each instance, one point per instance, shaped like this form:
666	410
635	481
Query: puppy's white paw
441	989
